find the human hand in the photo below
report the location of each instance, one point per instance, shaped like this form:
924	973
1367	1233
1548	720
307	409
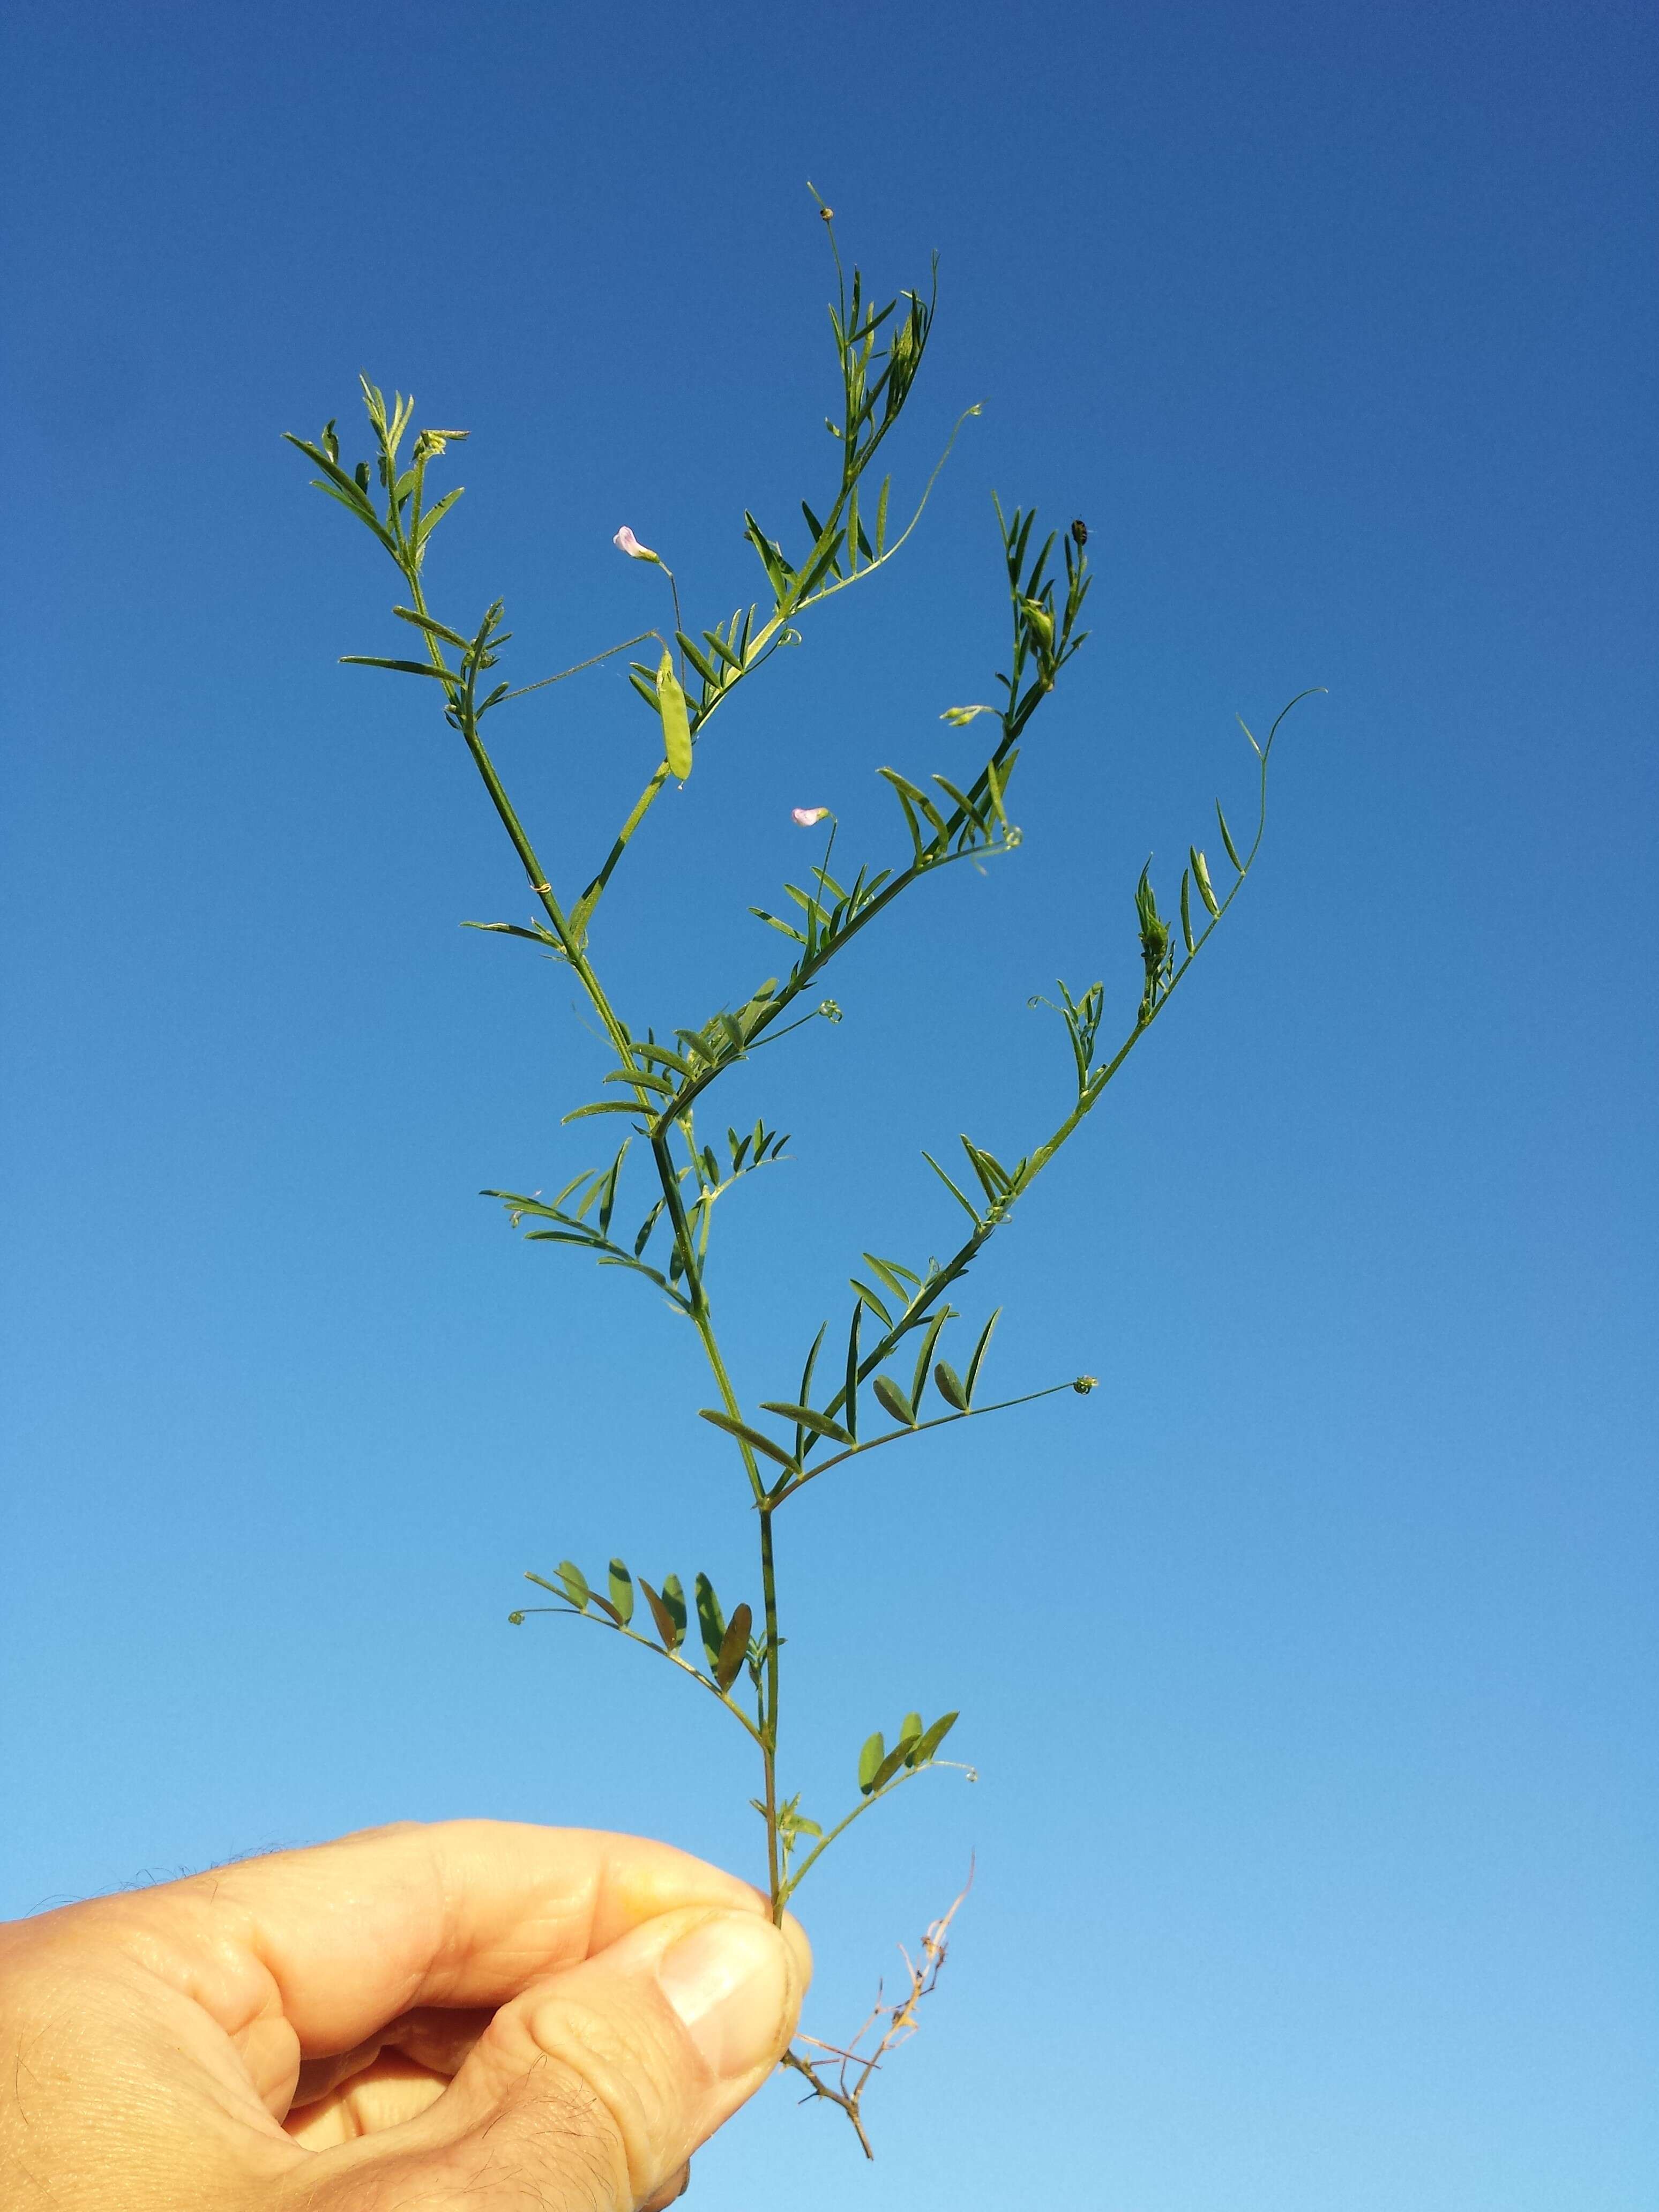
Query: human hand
475	2014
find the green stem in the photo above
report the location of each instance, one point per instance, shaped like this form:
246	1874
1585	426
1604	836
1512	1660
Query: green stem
779	1888
841	1826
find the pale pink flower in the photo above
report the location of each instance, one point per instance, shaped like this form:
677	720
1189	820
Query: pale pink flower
627	543
806	815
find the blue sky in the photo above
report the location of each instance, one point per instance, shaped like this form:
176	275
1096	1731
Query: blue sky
1309	1664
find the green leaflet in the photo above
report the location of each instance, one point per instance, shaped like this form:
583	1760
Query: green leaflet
669	1632
734	1648
753	1437
402	667
948	1383
899	1756
894	1399
870	1758
900	1281
435	515
971	1211
930	1742
1227	836
803	1417
673	1596
575	1584
930	1337
711	1620
849	1406
622	1592
979	1354
432	628
1201	877
676	725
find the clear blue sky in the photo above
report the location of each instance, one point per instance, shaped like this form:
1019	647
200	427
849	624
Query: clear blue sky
1310	1664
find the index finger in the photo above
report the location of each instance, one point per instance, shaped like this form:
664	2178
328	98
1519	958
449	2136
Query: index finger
341	1938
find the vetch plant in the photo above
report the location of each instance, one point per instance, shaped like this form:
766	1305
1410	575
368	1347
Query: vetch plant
889	1372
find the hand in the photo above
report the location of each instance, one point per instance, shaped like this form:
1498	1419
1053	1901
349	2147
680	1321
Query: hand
473	2014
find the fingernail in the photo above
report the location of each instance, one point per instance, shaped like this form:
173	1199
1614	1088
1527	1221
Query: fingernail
728	1981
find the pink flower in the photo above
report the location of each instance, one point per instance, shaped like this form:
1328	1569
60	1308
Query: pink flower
627	543
806	815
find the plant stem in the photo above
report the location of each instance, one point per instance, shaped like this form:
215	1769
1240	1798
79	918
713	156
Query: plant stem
770	1729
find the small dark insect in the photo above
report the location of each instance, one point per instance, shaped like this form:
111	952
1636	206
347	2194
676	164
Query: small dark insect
1080	532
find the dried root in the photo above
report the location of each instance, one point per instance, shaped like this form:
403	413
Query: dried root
841	2076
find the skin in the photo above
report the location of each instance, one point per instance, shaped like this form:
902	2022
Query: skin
474	2014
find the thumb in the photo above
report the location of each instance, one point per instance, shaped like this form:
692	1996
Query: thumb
593	2087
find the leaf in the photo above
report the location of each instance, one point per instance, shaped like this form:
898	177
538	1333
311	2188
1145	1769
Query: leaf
750	1437
647	1226
676	727
659	1084
1227	837
972	1212
930	1741
1201	877
622	1591
803	1417
357	504
812	1362
777	570
894	1275
432	628
605	1106
661	1055
673	1596
899	1756
870	1758
972	1376
930	1337
734	1648
669	1634
699	661
920	799
402	667
1187	911
575	1584
711	1619
980	820
889	1394
948	1383
849	1406
435	515
871	1299
818	568
994	1179
910	1729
